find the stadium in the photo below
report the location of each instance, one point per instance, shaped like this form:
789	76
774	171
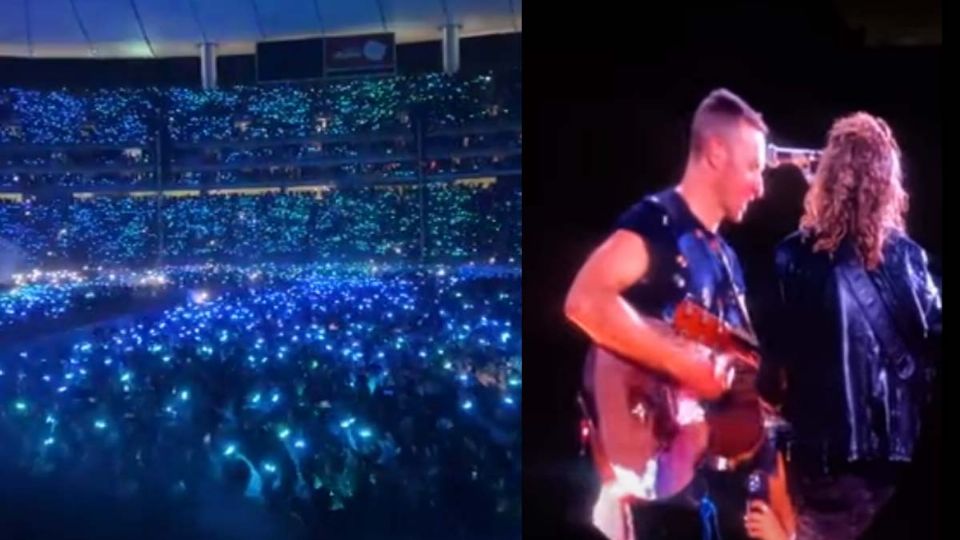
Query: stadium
260	269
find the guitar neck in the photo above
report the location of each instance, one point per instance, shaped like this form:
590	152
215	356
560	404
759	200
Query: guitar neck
699	324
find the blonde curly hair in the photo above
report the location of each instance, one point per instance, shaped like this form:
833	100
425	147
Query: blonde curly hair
857	192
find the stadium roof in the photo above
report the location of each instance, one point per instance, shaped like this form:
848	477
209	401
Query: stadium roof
167	28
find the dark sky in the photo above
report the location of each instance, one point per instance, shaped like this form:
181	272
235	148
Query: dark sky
895	22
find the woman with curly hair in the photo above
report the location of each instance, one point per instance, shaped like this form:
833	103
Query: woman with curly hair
851	356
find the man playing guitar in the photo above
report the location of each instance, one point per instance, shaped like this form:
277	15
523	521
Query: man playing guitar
648	388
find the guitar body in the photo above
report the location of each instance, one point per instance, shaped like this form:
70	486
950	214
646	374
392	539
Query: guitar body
736	419
640	440
643	411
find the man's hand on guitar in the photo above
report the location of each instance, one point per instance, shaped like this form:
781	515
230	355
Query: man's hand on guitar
706	378
723	368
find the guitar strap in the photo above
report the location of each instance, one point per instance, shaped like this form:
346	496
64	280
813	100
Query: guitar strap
738	293
880	315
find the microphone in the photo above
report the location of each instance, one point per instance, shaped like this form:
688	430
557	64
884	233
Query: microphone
805	159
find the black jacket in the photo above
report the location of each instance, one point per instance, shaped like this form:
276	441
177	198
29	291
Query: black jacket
844	396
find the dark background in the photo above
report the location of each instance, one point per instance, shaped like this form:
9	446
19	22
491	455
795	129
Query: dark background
608	101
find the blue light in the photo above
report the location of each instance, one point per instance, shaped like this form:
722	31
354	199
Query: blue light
508	400
300	443
269	467
20	406
48	441
365	433
100	424
467	405
230	450
514	381
184	395
284	433
348	422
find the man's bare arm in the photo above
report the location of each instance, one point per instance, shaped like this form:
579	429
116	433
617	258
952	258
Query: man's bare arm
596	305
